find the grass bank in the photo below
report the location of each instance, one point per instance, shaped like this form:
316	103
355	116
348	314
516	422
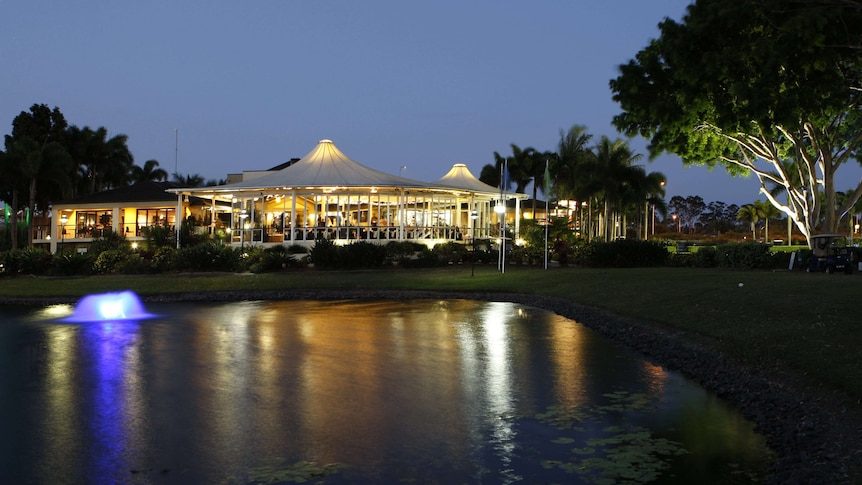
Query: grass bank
805	322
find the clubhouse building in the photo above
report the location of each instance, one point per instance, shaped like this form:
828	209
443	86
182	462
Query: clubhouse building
323	195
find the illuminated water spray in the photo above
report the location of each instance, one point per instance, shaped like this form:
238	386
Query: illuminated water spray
118	306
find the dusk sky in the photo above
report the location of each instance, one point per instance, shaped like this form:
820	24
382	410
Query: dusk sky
236	86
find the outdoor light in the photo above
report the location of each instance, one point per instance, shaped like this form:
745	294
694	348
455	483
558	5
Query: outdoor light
63	221
473	215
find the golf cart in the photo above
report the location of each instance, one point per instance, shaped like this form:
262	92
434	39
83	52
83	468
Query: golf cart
830	253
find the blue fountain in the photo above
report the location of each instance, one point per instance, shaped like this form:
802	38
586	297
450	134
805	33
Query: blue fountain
120	306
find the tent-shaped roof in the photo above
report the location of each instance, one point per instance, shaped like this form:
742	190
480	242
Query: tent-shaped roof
326	166
460	177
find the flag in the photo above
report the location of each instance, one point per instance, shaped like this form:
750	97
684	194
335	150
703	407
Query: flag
547	183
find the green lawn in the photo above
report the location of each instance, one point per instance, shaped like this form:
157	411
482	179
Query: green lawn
807	322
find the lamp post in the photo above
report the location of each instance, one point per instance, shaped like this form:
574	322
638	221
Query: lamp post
473	216
242	225
500	209
63	221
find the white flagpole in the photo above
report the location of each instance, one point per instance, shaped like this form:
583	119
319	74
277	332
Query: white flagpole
547	217
503	191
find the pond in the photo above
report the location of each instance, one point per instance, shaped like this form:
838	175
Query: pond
422	391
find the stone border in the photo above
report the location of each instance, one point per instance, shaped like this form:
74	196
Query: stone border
815	432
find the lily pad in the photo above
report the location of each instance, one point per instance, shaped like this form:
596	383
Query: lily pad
275	470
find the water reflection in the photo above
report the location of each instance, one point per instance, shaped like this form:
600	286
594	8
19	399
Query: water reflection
425	390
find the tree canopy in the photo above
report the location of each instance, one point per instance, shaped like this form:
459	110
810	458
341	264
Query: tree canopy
764	87
47	160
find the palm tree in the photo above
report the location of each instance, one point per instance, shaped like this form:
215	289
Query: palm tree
490	175
649	190
519	165
189	180
103	163
150	172
538	162
614	173
572	155
570	171
766	211
749	213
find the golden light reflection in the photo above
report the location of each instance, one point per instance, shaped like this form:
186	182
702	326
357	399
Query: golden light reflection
497	376
61	347
53	312
569	361
656	376
223	340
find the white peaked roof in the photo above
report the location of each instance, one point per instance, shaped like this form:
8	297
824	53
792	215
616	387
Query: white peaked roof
327	166
460	177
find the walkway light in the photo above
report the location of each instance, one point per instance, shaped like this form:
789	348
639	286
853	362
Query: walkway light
473	215
63	220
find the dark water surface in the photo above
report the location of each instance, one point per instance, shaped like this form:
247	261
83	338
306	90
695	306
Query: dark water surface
351	392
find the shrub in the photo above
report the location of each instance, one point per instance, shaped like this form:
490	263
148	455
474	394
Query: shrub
71	263
623	253
274	258
165	259
324	254
297	249
158	236
677	260
532	255
781	259
111	240
190	235
749	255
705	257
209	256
363	254
425	258
399	252
133	263
110	261
28	260
451	252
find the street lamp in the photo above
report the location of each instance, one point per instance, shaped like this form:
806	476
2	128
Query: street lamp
473	215
678	223
243	226
63	221
500	209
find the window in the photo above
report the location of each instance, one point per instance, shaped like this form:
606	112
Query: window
154	217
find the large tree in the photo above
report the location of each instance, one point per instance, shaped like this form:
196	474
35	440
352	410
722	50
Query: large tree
103	163
687	209
764	87
36	162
